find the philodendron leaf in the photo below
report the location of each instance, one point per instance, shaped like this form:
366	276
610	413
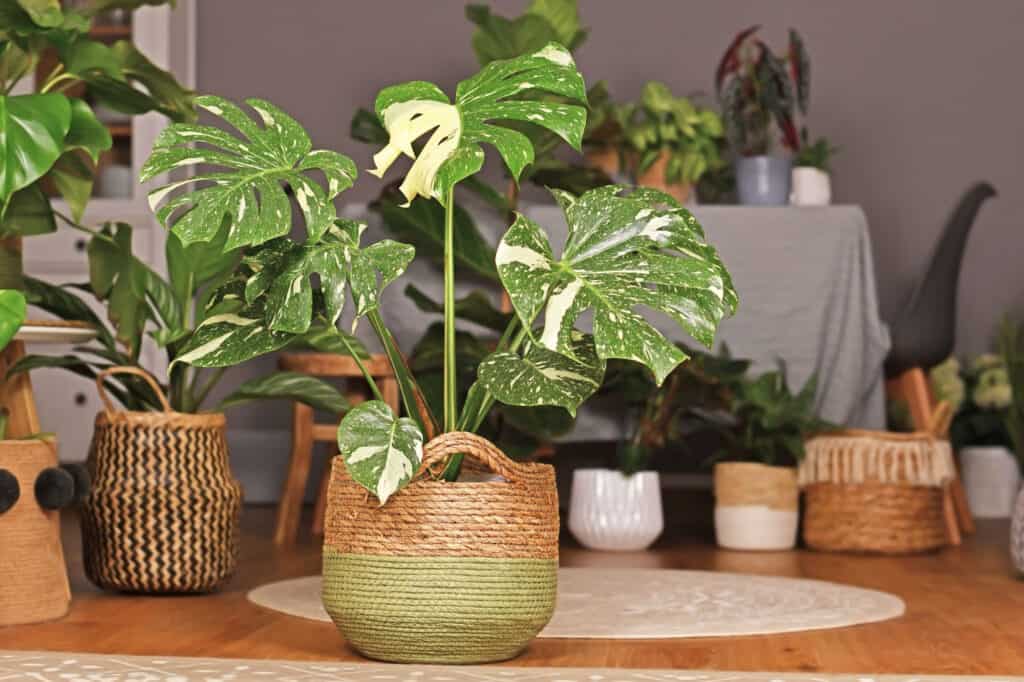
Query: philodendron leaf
86	132
453	150
32	132
248	190
544	377
28	213
288	386
12	314
381	452
622	253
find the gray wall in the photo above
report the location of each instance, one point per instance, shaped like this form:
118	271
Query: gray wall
923	97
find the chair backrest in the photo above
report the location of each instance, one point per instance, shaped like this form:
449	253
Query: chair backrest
924	333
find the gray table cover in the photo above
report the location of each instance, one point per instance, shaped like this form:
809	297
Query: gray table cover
806	283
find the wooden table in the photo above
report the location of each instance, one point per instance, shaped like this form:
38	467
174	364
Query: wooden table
965	613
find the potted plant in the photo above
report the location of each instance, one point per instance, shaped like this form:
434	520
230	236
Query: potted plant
759	94
756	494
811	183
168	447
620	509
1011	347
980	397
51	138
673	141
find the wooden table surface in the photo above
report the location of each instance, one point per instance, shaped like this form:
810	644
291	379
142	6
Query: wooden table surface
965	613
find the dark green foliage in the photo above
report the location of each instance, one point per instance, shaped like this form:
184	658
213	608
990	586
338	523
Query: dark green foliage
817	155
1011	346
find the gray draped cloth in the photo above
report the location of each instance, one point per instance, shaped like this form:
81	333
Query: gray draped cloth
806	283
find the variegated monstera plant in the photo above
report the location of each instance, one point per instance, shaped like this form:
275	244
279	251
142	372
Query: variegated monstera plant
628	251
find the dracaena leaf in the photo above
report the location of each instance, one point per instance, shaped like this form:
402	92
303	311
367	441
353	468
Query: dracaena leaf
456	132
640	250
381	452
543	377
288	386
248	190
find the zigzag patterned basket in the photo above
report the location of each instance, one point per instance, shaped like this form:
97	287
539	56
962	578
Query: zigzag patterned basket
162	514
444	572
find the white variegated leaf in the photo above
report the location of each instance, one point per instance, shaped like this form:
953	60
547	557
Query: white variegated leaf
229	338
623	253
544	377
456	131
248	188
381	452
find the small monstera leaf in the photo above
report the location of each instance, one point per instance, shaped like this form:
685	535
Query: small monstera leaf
12	314
283	270
453	150
622	253
229	337
249	195
382	452
32	133
544	377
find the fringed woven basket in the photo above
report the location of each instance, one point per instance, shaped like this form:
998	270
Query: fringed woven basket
162	515
444	572
876	492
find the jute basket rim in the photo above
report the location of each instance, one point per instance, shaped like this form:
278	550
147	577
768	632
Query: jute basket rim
753	465
201	420
894	436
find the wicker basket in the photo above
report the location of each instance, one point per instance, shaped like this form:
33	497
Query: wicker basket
33	579
876	492
162	515
444	572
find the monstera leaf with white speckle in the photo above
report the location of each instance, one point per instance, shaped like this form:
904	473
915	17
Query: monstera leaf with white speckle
381	452
283	270
623	252
248	188
453	150
229	337
544	377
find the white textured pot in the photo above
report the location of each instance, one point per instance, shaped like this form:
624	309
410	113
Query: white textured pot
991	480
756	506
810	187
613	512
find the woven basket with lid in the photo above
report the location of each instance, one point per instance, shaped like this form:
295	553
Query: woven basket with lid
444	572
162	514
876	491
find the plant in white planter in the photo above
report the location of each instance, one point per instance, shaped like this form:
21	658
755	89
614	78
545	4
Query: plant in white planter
756	494
759	93
1011	347
811	183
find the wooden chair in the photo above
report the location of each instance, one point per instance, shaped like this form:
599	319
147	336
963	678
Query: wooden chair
306	432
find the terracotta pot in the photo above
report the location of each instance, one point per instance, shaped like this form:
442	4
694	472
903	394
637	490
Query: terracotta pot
756	506
605	159
33	578
654	177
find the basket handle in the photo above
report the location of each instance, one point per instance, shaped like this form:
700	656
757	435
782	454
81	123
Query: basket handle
120	369
438	449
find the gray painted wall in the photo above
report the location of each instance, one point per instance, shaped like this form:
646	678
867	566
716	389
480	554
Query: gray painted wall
922	97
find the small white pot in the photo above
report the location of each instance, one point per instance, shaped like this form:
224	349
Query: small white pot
613	512
810	187
755	506
991	480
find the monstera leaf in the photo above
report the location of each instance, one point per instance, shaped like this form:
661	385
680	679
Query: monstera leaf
12	314
622	253
283	272
382	452
544	377
453	150
32	133
228	338
249	194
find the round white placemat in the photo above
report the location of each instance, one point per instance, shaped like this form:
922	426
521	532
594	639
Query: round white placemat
654	604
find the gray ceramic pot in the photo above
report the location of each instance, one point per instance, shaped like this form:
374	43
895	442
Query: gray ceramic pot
1017	534
763	180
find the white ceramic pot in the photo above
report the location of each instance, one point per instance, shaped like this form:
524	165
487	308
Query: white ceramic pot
991	478
613	512
756	506
810	187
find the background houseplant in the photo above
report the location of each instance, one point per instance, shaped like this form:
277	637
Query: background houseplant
671	271
674	142
51	139
759	94
1011	347
811	181
620	509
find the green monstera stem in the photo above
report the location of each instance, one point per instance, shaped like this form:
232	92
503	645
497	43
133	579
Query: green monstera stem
451	408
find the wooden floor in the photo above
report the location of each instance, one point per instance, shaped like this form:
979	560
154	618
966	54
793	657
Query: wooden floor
965	614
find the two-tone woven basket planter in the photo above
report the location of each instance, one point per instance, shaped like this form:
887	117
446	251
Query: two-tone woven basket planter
876	492
162	514
444	572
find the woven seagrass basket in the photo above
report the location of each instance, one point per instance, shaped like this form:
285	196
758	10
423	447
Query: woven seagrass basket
444	572
876	492
162	515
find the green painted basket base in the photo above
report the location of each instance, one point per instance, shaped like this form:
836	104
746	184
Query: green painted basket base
438	610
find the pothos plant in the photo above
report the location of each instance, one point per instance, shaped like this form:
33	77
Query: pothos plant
50	138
